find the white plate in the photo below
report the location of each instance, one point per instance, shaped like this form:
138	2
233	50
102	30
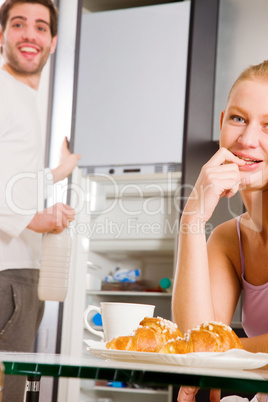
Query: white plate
233	359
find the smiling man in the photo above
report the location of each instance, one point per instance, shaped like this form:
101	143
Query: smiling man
27	38
28	35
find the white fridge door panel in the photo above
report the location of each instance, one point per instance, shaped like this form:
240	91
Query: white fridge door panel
131	85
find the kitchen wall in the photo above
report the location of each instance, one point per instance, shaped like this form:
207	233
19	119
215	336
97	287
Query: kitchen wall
242	40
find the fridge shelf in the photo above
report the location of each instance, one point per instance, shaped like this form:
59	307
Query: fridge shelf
132	246
125	293
132	390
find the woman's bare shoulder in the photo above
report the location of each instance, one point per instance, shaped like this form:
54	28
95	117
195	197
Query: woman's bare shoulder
226	230
224	239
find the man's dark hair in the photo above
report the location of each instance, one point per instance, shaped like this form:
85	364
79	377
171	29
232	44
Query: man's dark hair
8	4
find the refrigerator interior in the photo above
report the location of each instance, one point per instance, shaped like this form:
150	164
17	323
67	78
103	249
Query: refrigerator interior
98	249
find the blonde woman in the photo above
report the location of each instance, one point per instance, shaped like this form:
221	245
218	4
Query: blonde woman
211	275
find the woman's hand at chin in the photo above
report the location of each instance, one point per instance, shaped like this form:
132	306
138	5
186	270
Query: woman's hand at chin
219	177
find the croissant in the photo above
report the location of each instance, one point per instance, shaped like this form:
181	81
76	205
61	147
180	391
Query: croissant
150	336
207	337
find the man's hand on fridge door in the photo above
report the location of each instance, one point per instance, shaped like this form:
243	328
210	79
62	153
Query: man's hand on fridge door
67	163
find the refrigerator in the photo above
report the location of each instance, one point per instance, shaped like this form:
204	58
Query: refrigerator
128	123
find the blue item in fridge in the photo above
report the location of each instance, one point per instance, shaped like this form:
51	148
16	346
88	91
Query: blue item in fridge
116	384
124	275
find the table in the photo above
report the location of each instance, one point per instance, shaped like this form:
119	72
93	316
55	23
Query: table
36	365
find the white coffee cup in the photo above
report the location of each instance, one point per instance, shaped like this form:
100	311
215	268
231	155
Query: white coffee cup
118	319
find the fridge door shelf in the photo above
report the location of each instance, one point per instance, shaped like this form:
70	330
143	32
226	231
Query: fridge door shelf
124	293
